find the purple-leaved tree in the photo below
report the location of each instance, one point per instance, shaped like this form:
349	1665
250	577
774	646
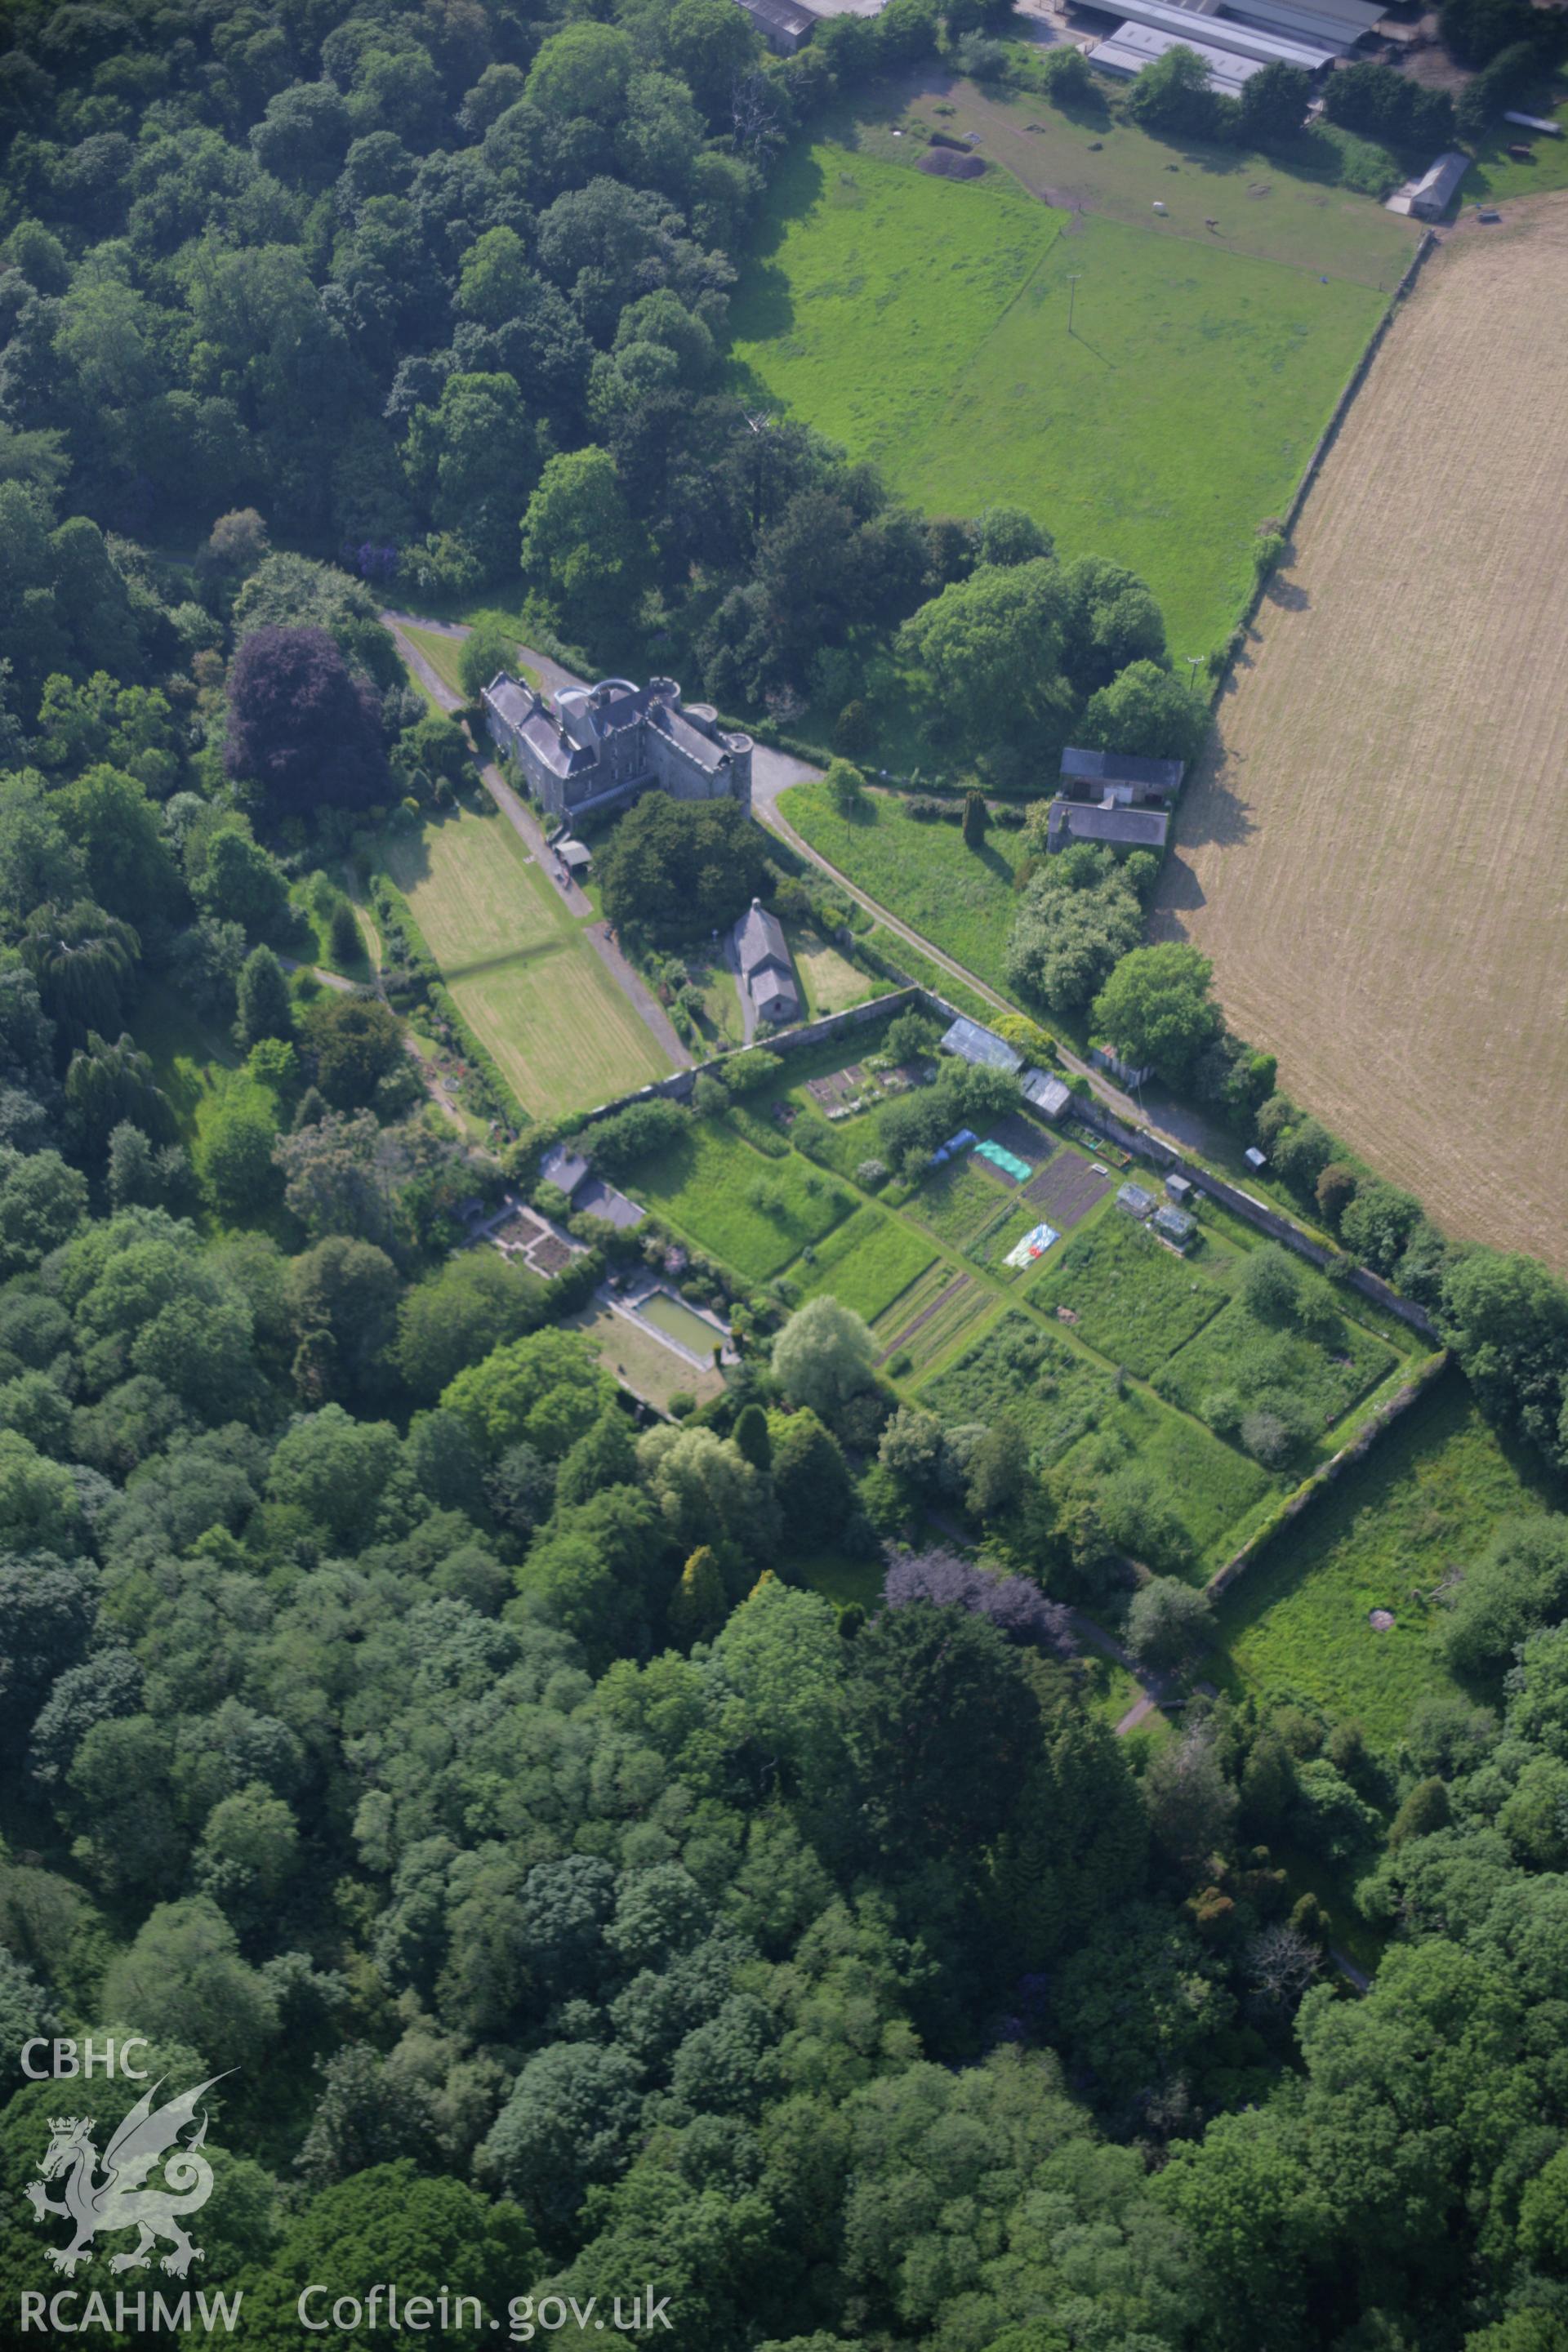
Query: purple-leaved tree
1014	1606
302	724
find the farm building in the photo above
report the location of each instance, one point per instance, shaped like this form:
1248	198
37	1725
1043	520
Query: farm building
973	1044
1234	44
1130	48
784	25
1124	828
605	744
1050	1096
1120	776
767	975
1429	197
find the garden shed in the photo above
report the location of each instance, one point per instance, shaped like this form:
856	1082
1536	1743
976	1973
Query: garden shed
1049	1094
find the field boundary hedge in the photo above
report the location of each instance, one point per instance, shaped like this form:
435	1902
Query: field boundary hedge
1290	1509
1329	435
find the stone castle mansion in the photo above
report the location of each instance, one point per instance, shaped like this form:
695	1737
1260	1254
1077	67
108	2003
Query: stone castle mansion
602	745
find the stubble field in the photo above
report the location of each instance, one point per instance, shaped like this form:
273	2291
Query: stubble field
1375	853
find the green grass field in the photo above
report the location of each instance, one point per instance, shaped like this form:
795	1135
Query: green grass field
923	323
1057	1393
186	1053
1497	177
1427	1499
1135	1302
1299	210
930	974
524	975
442	653
960	1201
961	900
842	1580
1238	1358
755	1214
1216	1493
868	1262
829	981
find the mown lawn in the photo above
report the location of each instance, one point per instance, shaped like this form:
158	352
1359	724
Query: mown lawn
1134	1300
928	974
524	975
753	1212
959	898
1299	209
918	321
1427	1499
829	981
868	1262
443	654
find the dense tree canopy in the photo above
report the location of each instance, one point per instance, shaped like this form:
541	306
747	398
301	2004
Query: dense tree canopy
301	725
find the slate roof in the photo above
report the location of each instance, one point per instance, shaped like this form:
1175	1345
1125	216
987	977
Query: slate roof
598	1199
759	940
681	733
1132	828
780	17
565	1169
1080	767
